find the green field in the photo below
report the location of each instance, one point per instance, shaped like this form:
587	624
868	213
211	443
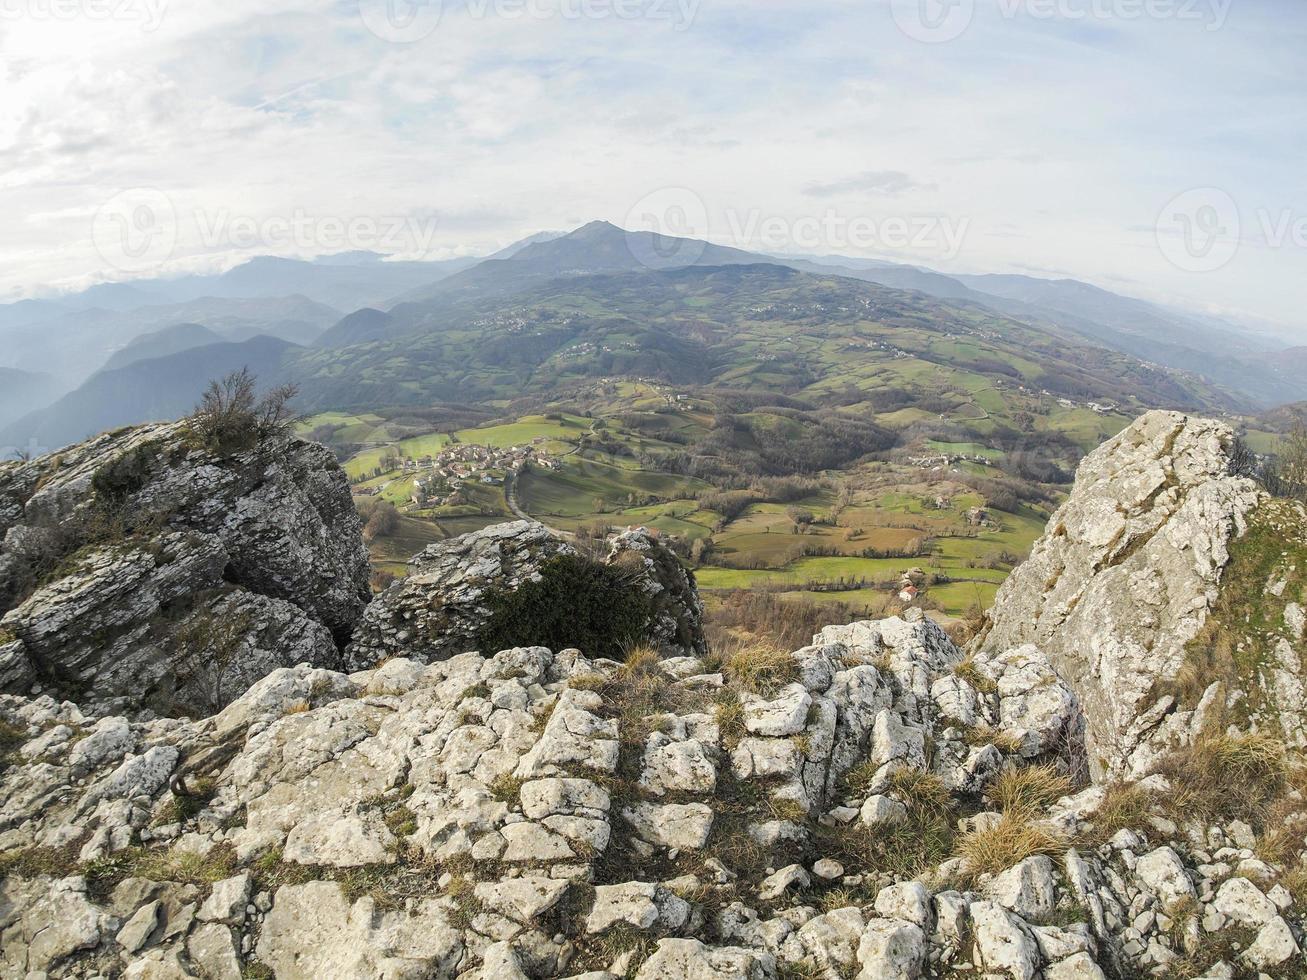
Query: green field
856	515
586	488
523	431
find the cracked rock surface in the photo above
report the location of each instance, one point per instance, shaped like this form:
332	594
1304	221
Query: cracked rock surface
878	804
139	571
542	814
443	606
1126	576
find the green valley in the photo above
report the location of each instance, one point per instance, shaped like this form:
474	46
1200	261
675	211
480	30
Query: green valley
927	501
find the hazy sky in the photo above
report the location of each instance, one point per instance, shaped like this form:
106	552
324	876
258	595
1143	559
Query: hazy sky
1155	147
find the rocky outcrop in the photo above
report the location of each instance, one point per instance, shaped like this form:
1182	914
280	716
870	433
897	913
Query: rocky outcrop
139	570
522	583
1125	579
878	804
541	814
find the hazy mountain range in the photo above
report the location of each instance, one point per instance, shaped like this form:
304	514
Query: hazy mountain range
357	331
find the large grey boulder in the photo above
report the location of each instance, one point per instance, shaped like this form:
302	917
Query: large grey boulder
458	591
141	570
1125	578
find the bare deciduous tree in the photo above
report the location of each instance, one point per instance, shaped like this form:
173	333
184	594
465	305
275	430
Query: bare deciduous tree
1243	461
230	417
380	517
1286	474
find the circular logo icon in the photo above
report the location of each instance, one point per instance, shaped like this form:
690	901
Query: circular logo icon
1198	231
933	21
666	229
401	21
136	230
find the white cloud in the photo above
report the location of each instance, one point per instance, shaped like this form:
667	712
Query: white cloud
1058	143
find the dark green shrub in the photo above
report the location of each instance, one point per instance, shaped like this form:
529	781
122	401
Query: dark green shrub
577	602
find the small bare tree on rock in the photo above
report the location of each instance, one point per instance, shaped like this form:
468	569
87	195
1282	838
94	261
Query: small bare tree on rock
1285	475
231	417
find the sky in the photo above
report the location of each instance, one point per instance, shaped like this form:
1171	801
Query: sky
1153	147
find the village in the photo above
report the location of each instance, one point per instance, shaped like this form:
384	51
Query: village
439	478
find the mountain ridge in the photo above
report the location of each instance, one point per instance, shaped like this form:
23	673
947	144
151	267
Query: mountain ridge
145	390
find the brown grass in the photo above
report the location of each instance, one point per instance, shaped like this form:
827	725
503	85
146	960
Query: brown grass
1295	880
1028	789
756	614
1124	807
969	671
1226	777
729	713
640	659
1009	743
760	667
1286	821
923	792
1013	839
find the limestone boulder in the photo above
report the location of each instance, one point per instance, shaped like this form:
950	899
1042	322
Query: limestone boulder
139	570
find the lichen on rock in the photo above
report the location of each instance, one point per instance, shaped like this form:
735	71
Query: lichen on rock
1126	577
141	571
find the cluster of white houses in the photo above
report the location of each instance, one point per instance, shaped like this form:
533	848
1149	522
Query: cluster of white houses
440	477
940	461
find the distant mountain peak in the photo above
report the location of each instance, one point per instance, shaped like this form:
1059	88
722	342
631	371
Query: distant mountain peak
597	227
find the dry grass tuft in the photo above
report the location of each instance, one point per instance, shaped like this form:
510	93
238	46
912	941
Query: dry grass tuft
838	898
1028	789
1009	743
1012	840
1295	880
1124	807
1254	757
1224	777
760	667
969	671
1286	828
923	792
640	659
730	719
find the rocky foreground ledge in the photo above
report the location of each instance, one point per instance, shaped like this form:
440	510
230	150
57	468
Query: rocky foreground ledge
1075	796
853	808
